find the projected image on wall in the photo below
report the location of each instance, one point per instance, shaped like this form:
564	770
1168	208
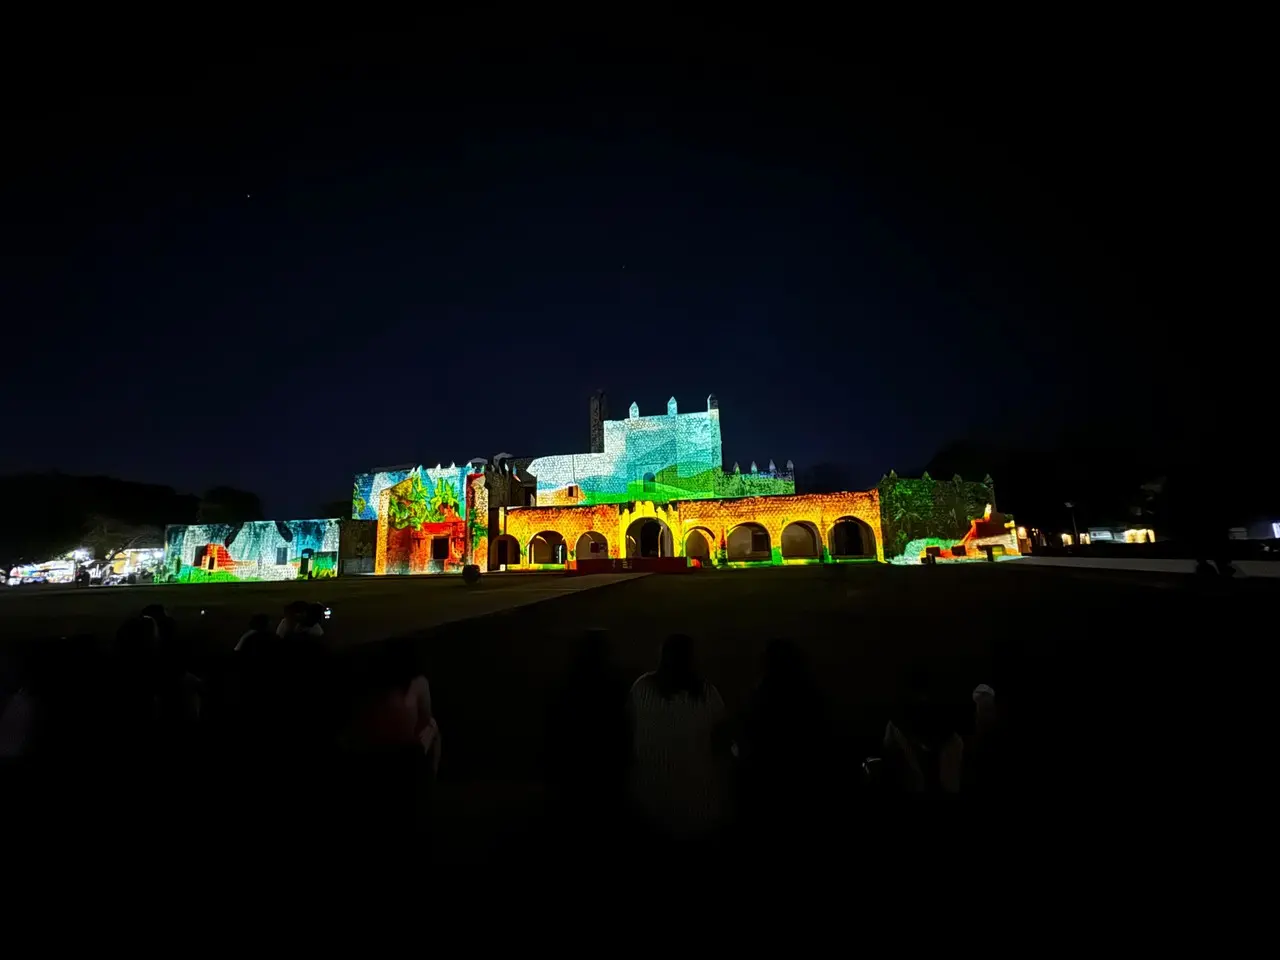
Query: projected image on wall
422	525
261	550
671	456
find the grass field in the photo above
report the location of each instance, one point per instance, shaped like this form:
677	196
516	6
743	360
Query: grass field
1054	644
364	608
862	625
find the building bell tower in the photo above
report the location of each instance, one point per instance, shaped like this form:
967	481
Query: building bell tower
599	414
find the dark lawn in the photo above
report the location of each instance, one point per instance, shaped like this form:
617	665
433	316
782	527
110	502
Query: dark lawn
364	608
1060	648
1087	667
861	625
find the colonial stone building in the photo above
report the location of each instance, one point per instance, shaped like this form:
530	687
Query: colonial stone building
649	487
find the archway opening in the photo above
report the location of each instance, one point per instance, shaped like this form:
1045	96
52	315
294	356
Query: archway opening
749	541
504	550
801	540
592	545
851	537
647	537
548	547
696	545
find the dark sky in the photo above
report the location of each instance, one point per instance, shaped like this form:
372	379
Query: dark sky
272	265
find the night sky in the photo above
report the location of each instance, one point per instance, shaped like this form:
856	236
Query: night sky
272	267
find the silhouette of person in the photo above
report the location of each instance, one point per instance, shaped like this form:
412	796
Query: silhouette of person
922	751
588	734
678	772
784	741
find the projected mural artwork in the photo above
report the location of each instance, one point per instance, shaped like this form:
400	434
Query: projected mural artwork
422	526
261	550
368	487
654	486
674	456
478	519
992	531
921	508
786	529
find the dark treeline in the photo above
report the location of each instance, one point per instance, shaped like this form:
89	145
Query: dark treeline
1114	482
47	514
1109	481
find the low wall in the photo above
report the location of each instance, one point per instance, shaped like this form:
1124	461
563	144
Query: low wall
1164	550
1250	568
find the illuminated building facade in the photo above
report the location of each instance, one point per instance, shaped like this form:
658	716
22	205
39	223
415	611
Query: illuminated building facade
437	519
259	550
672	456
649	487
788	528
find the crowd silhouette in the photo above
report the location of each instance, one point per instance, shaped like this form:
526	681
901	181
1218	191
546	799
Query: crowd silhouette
289	735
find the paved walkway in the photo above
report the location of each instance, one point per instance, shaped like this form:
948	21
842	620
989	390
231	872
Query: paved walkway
1250	568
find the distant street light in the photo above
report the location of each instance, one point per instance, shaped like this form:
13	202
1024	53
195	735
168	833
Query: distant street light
1074	532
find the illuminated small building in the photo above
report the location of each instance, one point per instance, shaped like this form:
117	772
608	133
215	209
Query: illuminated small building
1119	535
51	571
258	550
135	561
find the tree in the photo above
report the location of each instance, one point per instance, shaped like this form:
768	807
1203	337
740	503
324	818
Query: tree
49	513
342	509
107	537
824	478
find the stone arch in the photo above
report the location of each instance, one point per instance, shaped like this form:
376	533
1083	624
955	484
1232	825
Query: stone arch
851	537
801	540
643	540
548	546
749	541
700	542
504	550
582	549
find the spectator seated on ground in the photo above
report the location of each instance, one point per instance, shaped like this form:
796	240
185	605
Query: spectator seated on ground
388	700
179	691
258	634
588	740
279	693
389	740
922	751
132	677
784	741
166	626
55	709
301	617
679	764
